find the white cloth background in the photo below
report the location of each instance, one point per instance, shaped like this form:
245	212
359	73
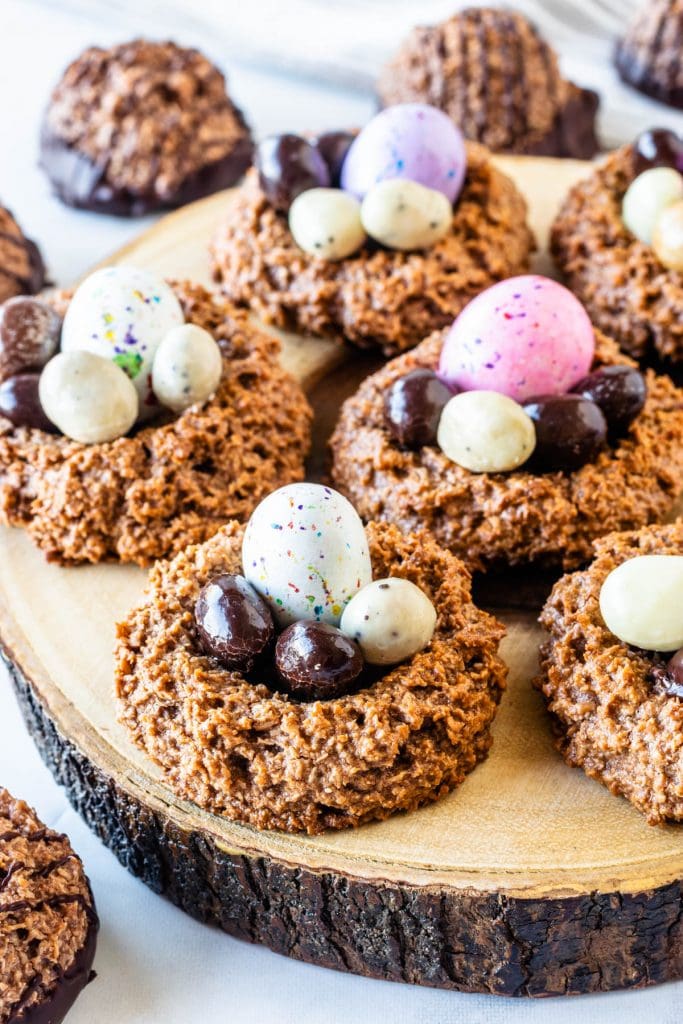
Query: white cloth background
155	965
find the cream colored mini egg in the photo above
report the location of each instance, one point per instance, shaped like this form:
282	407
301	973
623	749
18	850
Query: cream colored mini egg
646	197
88	397
485	432
326	222
667	240
390	620
187	367
406	215
641	602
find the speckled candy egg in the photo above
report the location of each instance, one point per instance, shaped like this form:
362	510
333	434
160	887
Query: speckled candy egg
485	432
522	337
326	222
305	551
405	215
187	367
412	141
88	397
646	197
390	620
123	313
641	600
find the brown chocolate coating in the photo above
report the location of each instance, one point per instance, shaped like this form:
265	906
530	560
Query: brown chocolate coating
570	431
620	391
48	924
316	661
29	335
20	403
255	755
657	147
413	406
22	271
648	57
234	623
287	166
610	720
142	126
493	74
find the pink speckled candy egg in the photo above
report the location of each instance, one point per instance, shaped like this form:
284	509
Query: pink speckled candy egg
522	337
410	140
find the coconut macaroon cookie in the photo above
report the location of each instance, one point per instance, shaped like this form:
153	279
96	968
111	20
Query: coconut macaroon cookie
308	673
612	668
618	241
138	422
22	271
376	238
48	923
516	437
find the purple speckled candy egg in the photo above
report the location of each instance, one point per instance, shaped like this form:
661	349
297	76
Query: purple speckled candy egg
522	337
410	140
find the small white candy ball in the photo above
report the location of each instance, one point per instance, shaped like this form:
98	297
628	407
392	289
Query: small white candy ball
646	197
187	367
88	397
390	620
641	602
485	432
326	222
406	215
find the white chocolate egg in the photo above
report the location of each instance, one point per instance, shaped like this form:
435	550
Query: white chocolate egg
326	222
187	367
406	215
123	314
88	397
641	602
667	239
306	553
646	197
486	432
390	620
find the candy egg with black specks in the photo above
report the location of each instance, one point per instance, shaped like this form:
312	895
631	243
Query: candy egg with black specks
187	367
326	222
641	600
405	215
89	398
390	619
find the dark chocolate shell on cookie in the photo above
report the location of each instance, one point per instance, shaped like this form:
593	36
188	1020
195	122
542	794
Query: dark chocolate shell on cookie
243	749
172	482
140	127
648	56
22	271
499	80
48	923
611	717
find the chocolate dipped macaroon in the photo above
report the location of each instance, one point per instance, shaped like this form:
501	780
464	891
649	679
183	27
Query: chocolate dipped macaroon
22	271
140	127
648	56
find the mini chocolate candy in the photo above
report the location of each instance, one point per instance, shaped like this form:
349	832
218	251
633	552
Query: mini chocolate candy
657	147
413	406
88	397
667	237
20	402
29	335
646	197
390	619
405	215
187	367
235	625
326	222
570	431
641	601
317	661
620	391
674	671
287	166
485	432
334	146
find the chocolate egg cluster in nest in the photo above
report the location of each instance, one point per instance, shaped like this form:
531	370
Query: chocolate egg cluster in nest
173	482
48	924
378	297
648	56
493	74
612	717
141	126
22	271
628	292
496	520
239	748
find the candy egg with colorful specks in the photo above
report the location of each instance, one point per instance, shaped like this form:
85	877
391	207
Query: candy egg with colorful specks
412	141
305	552
123	313
522	337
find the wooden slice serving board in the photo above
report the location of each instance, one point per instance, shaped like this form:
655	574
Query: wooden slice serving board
528	880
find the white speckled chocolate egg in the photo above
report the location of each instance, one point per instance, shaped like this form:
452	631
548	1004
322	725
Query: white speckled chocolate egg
88	397
187	367
305	551
646	197
326	222
123	314
667	239
486	432
405	215
641	602
390	620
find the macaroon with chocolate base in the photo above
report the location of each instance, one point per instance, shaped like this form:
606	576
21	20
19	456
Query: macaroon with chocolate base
376	238
22	271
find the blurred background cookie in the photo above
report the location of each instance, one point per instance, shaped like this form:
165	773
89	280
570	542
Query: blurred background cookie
648	57
22	271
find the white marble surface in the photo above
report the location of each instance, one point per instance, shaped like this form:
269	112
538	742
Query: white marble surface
155	965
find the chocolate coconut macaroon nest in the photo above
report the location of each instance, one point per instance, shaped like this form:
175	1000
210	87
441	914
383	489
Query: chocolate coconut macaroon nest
648	57
22	271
